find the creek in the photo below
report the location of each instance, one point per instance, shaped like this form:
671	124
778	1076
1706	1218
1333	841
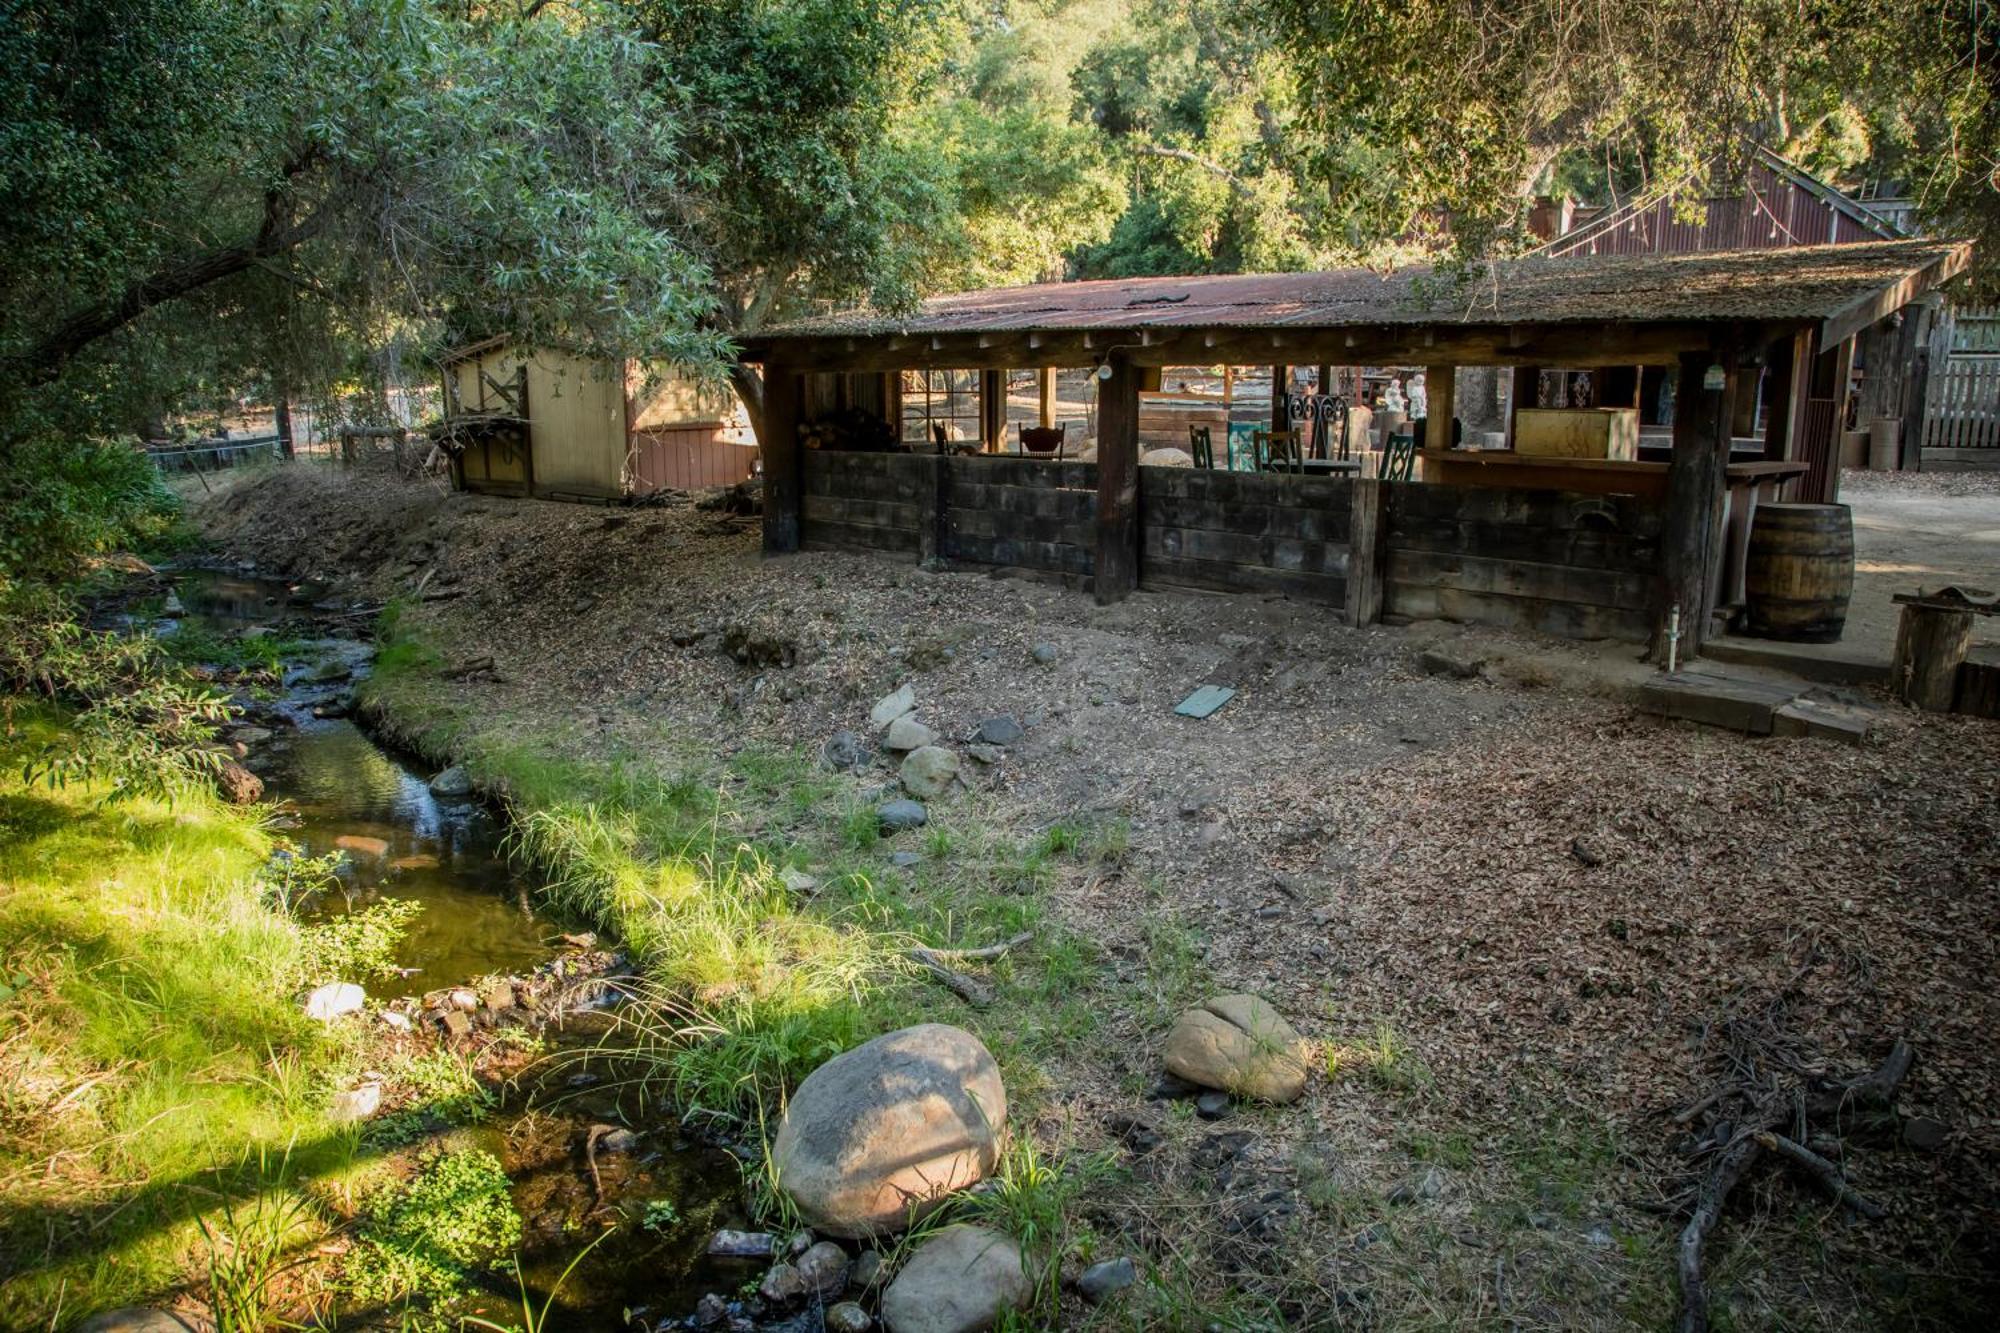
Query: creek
339	789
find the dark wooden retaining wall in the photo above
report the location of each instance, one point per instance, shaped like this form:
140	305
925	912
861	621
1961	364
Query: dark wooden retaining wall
1245	530
1579	566
1019	512
1574	565
869	501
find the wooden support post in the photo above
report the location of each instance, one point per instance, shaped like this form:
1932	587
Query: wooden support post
1782	360
1440	405
1046	378
1916	372
1117	481
1367	544
1690	546
992	410
784	460
934	509
1931	645
1281	408
1523	392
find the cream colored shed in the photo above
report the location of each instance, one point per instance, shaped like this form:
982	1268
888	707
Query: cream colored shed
549	422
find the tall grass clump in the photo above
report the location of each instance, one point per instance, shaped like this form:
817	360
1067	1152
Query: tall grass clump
153	1059
744	992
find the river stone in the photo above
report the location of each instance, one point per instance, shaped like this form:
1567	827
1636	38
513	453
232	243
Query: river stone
892	706
729	1244
335	998
1239	1044
881	1135
357	1103
454	781
250	735
239	785
1100	1282
999	731
824	1267
782	1285
135	1320
929	772
906	733
896	816
959	1281
847	1317
843	750
867	1270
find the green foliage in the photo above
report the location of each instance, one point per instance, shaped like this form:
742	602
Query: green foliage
358	944
1466	109
246	1248
420	1241
1037	1200
156	1061
661	1215
62	502
141	726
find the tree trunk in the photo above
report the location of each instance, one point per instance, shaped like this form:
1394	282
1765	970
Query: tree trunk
749	386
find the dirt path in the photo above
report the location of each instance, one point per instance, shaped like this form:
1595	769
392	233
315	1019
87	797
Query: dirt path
1916	530
1514	910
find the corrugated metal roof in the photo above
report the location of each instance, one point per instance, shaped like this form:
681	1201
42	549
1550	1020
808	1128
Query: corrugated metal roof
1803	284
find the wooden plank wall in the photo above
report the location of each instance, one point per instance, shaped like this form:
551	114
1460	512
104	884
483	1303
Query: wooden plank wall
861	501
1021	512
1583	567
1261	532
686	458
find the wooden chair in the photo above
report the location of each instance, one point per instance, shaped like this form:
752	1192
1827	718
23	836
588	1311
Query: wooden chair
1399	457
1201	447
1044	441
1277	451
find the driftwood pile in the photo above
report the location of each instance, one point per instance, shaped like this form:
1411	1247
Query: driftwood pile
1777	1104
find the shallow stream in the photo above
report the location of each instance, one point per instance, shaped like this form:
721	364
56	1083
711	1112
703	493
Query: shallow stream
342	791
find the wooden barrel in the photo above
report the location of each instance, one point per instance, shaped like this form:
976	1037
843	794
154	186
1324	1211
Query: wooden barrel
1799	572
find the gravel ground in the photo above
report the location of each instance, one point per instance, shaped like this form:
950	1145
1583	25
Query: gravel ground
1540	895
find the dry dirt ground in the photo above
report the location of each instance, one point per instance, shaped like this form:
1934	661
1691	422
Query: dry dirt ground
1530	923
1920	529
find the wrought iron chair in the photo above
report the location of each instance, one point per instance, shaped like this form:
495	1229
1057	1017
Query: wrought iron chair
1399	457
1277	451
1044	441
1201	447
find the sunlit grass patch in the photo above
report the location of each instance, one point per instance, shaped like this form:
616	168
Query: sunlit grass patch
154	1060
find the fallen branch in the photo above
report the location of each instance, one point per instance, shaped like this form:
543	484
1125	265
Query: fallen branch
973	990
986	954
1822	1172
1729	1169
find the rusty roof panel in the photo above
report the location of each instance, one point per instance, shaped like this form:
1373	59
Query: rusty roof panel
1807	283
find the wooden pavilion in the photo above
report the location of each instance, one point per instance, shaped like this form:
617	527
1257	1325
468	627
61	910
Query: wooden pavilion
1510	545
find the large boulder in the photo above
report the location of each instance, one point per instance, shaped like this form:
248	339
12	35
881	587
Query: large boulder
875	1138
1238	1043
135	1319
959	1281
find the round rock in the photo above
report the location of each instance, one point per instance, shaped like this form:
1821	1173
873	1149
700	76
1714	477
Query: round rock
960	1280
454	781
881	1135
1240	1045
824	1268
330	1001
847	1317
928	772
897	816
136	1319
906	733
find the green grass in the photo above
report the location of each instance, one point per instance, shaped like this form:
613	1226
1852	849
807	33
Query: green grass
154	1063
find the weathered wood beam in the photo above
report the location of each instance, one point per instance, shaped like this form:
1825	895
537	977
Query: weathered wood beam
784	460
1860	313
1117	569
1690	545
1577	345
1368	538
1441	405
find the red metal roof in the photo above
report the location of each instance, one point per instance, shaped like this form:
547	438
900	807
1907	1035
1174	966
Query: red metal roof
1806	284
